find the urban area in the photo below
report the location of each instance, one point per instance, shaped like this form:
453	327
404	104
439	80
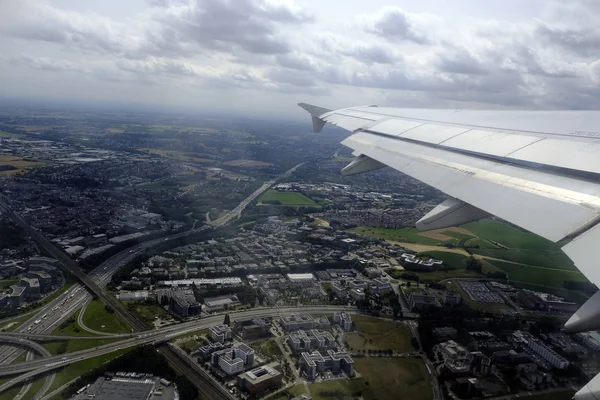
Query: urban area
150	257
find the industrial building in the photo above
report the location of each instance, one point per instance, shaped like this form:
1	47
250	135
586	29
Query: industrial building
421	301
130	386
183	303
301	279
260	379
220	303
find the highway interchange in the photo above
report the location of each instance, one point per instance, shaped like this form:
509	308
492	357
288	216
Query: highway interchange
61	308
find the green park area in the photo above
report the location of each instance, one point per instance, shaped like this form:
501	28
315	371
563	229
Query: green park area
268	348
379	334
272	196
380	378
101	318
148	312
526	258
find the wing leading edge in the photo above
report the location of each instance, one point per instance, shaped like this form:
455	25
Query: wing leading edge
539	170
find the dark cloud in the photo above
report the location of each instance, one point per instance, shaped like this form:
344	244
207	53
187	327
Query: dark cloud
584	42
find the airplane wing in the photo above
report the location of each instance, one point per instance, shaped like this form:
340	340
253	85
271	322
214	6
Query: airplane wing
539	170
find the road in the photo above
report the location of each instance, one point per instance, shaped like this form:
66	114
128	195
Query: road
58	311
236	212
29	369
84	327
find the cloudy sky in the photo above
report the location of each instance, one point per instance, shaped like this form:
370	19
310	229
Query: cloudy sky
256	55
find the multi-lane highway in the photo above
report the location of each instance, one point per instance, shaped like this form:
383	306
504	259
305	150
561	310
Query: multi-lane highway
29	369
50	316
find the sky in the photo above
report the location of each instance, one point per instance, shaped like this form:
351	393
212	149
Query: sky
261	57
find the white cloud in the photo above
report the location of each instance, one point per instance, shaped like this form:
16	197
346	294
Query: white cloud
277	47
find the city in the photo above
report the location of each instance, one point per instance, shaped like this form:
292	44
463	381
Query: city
299	200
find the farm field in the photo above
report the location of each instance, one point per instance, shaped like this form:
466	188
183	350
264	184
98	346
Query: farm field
537	275
21	164
247	163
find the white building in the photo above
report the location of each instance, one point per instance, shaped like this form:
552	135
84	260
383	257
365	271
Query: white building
548	354
343	319
233	360
301	279
358	294
220	333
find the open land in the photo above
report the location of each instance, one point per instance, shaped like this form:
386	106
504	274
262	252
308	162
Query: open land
379	334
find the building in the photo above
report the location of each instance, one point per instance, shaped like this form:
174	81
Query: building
54	272
358	294
421	301
380	286
233	360
216	304
310	340
44	279
356	284
450	350
339	290
259	379
343	319
37	260
17	296
205	351
451	298
293	322
32	285
413	263
301	279
531	300
372	272
548	354
183	303
445	332
252	328
130	386
220	333
315	363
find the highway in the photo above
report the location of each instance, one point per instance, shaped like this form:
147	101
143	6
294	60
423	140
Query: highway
50	316
30	369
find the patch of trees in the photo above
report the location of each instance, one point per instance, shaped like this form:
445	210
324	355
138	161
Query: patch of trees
473	264
409	276
11	236
144	359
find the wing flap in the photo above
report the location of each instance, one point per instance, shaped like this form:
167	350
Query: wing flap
523	197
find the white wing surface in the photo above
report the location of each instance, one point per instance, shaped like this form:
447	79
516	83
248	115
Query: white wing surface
539	170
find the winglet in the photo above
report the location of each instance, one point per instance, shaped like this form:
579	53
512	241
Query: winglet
315	113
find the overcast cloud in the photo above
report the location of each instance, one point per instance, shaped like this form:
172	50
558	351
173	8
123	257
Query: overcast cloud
261	55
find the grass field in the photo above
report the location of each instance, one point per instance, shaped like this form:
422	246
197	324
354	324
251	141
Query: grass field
538	275
409	235
247	163
379	334
75	370
177	155
71	328
98	318
11	394
381	379
76	345
148	312
544	258
268	348
19	163
287	198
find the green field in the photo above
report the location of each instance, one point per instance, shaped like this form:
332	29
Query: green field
287	198
98	318
71	328
268	348
381	379
76	345
407	235
508	235
10	394
379	334
543	258
5	283
75	370
538	275
148	312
